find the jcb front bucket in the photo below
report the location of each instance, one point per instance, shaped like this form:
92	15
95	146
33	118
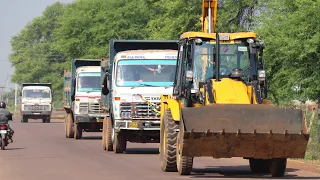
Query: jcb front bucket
252	131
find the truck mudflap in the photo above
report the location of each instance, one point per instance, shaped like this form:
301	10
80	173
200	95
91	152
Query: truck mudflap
251	131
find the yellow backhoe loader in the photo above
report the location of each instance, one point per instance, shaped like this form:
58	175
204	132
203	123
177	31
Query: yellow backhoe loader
219	108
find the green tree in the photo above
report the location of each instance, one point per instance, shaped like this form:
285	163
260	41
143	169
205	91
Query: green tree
291	32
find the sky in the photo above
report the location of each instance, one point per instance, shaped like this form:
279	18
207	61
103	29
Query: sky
14	15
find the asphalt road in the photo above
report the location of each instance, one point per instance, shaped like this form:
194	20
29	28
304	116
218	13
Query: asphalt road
41	152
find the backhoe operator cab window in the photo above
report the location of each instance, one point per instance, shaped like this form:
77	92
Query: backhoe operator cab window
231	56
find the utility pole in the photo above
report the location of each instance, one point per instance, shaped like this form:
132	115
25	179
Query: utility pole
7	88
15	97
2	93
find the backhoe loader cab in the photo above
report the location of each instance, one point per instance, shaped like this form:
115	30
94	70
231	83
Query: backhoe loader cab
238	56
218	108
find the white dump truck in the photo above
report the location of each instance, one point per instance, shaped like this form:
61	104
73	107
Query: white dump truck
36	102
137	73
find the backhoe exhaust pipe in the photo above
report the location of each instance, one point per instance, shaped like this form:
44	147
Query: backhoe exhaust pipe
210	16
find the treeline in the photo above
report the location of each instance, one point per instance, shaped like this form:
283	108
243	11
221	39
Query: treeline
82	29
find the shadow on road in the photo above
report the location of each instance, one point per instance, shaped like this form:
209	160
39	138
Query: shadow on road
92	138
10	149
142	151
241	172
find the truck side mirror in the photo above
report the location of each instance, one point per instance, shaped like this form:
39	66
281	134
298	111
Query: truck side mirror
72	98
105	91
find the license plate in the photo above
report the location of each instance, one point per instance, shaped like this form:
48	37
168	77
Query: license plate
99	120
133	125
3	131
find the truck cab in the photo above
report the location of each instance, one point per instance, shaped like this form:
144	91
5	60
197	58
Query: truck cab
36	102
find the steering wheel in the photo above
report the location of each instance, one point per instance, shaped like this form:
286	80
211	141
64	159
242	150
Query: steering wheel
224	70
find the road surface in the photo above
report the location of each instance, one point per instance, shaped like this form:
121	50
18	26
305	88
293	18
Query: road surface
41	152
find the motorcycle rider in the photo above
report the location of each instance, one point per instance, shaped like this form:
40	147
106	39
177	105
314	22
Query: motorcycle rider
6	116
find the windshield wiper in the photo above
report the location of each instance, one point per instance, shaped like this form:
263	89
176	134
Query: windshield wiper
142	85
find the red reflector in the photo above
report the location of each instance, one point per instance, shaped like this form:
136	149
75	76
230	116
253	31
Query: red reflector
3	127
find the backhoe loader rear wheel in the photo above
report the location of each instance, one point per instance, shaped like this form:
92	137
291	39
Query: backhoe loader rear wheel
278	167
259	165
168	143
107	134
184	163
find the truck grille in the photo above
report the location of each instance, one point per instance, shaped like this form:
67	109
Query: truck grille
95	108
37	108
140	111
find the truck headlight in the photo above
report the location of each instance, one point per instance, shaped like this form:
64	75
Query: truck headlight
261	75
125	114
83	110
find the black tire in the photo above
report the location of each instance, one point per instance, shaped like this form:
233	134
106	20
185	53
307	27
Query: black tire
69	126
184	163
259	165
168	142
278	167
107	134
24	119
120	142
77	131
3	144
48	119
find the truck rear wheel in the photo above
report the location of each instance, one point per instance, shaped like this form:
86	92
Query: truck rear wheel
77	131
278	167
184	163
24	119
259	165
69	126
168	143
107	134
120	142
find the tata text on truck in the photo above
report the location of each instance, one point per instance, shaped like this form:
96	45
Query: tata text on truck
82	94
135	75
36	102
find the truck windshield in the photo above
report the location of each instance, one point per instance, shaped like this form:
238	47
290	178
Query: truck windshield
146	72
89	82
231	56
36	93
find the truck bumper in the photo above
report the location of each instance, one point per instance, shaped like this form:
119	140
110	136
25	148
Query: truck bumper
90	118
36	113
148	125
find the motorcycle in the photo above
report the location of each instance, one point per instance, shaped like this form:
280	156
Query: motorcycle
4	135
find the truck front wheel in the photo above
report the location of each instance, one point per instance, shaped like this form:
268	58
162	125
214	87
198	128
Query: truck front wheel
120	142
24	119
77	131
46	119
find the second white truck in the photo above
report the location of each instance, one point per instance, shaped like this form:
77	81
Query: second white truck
137	73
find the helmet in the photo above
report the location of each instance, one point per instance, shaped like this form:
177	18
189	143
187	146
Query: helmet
3	104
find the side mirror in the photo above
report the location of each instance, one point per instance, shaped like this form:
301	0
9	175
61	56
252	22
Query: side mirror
105	91
189	75
72	98
261	75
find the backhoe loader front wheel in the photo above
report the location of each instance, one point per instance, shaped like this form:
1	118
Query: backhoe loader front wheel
184	163
168	143
278	167
259	165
